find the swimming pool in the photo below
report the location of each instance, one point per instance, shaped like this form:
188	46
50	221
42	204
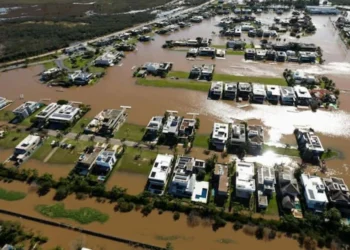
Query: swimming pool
203	194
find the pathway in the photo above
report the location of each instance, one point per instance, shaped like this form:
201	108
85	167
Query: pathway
53	151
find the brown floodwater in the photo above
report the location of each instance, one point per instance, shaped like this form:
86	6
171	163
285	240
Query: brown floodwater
134	183
118	88
154	229
57	170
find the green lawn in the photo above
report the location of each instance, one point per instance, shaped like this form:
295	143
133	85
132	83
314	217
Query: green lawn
201	141
329	154
80	63
27	121
11	195
217	77
143	165
235	52
178	74
218	46
272	208
12	138
6	115
80	125
66	156
49	65
83	215
95	70
181	84
41	153
282	151
130	132
263	80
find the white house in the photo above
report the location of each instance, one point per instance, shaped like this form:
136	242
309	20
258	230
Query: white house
26	147
172	124
64	114
106	160
80	77
219	136
47	111
315	192
258	93
303	96
245	182
200	192
216	89
273	93
107	59
26	109
230	91
266	180
154	125
158	177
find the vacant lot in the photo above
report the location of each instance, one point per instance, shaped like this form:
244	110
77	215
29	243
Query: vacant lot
130	132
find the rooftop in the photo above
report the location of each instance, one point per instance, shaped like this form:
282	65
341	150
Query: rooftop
258	89
155	123
245	176
287	92
200	192
161	168
256	134
27	142
238	133
314	188
244	86
47	111
302	92
220	131
222	171
27	105
273	90
172	125
65	113
231	87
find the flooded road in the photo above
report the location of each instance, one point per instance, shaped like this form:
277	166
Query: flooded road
154	229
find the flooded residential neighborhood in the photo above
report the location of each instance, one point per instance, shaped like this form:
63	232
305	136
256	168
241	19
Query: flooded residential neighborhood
237	156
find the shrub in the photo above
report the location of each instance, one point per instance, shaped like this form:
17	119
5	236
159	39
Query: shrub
62	102
61	192
237	226
259	233
146	210
200	176
272	235
176	216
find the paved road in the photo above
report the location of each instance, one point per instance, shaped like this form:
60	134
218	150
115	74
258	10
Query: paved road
180	12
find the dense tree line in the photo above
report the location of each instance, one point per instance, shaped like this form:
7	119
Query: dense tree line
22	40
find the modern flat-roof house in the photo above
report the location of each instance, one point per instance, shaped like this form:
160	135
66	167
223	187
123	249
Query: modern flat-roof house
203	72
244	90
307	57
153	127
303	96
238	135
105	162
273	93
46	112
255	138
221	182
158	177
287	96
260	54
187	127
309	145
26	147
26	109
80	78
245	182
3	102
249	54
105	122
51	73
288	187
157	69
315	193
325	10
258	94
338	193
192	52
107	59
219	136
207	51
65	114
87	160
230	91
184	179
216	90
266	180
172	125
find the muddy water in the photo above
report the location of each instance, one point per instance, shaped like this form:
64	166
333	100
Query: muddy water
134	183
155	229
57	170
118	88
5	154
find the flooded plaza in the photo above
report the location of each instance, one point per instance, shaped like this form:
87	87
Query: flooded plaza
118	88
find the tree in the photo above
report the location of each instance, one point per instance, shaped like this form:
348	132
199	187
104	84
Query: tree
61	192
210	163
200	176
176	216
333	218
169	246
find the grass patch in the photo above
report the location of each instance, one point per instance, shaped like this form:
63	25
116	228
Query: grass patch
178	74
226	241
11	195
168	238
218	46
201	141
143	165
6	115
272	208
263	80
80	125
328	154
95	70
41	153
12	138
235	52
130	132
282	151
66	156
83	215
50	65
179	84
79	62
